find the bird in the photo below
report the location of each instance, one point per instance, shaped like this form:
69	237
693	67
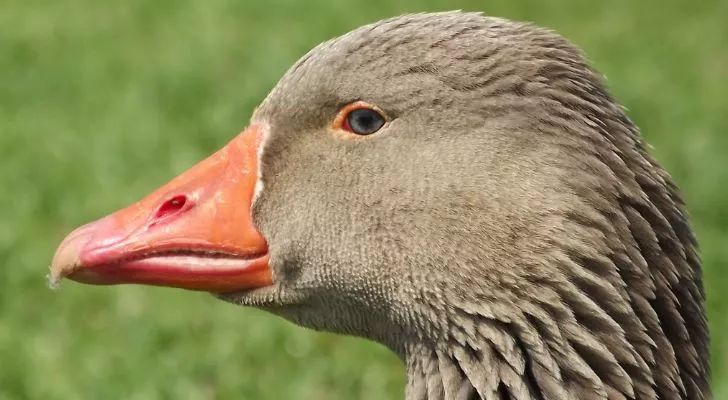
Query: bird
458	187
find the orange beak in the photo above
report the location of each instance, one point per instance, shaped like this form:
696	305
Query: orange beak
194	233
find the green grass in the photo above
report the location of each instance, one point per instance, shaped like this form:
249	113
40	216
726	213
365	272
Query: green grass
100	102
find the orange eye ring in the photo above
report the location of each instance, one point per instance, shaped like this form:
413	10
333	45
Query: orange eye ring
360	118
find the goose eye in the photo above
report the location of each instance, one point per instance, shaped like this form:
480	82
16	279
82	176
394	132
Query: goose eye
363	121
360	118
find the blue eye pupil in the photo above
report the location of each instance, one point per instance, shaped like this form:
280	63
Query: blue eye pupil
365	121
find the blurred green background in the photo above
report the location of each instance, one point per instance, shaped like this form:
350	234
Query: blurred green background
101	102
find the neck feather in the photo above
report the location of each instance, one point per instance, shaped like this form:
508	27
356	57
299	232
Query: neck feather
464	372
524	354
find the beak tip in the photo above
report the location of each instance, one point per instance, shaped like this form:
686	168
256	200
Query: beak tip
61	267
66	261
54	281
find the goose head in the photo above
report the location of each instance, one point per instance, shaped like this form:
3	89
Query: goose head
457	187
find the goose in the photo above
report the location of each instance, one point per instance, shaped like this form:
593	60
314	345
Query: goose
460	188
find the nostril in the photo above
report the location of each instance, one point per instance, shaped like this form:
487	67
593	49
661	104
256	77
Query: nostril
171	206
